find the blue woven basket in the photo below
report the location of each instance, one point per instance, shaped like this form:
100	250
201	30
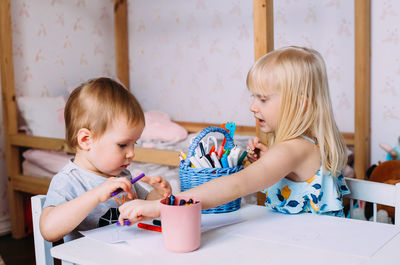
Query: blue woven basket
192	177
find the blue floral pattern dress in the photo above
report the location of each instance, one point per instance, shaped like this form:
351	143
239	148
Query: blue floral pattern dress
321	194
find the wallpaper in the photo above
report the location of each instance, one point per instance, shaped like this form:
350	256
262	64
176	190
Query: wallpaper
190	58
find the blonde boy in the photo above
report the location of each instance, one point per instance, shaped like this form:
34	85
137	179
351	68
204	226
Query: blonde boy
103	122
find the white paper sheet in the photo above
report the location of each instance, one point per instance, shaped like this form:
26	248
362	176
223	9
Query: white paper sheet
114	234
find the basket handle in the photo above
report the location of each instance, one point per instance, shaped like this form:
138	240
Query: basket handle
229	141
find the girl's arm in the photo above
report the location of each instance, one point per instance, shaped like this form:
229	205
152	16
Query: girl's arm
58	221
275	164
255	149
278	162
161	187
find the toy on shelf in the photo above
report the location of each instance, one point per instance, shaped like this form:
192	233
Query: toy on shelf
393	153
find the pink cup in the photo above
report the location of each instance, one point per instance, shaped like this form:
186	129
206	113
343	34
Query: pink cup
181	225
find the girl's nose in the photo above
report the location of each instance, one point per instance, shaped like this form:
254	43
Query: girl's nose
253	107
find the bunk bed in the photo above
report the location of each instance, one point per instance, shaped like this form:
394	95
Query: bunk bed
15	142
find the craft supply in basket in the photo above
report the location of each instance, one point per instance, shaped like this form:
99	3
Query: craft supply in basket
192	177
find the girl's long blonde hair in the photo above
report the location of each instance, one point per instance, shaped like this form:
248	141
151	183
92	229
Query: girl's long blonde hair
306	109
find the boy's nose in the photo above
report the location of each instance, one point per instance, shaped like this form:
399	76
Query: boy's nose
130	154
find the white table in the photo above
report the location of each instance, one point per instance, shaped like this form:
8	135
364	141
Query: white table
244	242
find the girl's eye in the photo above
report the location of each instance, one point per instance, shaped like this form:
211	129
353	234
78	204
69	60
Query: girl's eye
263	99
122	145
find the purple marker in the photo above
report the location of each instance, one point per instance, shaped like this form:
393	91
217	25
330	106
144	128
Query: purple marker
126	222
132	181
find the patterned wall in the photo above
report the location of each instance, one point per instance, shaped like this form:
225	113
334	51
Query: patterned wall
190	58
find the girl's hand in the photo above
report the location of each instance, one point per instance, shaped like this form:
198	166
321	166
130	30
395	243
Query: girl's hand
255	149
160	186
104	191
138	210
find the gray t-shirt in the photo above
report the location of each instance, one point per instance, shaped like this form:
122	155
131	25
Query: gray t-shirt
72	181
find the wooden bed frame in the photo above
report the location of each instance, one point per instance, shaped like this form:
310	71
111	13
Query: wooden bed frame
15	142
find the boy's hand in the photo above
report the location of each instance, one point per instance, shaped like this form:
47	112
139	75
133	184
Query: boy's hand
255	149
104	191
160	186
138	210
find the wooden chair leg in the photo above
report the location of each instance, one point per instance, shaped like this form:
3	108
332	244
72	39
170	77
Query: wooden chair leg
261	198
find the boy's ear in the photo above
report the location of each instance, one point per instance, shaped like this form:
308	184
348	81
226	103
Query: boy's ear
85	139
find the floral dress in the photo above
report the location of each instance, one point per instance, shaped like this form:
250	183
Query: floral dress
321	194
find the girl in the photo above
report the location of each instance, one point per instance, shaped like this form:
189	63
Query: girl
299	167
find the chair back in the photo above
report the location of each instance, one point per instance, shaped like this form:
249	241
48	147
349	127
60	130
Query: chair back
376	193
42	247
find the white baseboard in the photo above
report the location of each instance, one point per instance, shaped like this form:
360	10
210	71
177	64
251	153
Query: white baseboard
5	226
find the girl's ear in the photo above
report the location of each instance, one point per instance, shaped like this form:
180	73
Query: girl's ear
85	139
306	102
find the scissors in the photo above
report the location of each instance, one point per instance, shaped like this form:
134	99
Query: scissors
214	142
211	140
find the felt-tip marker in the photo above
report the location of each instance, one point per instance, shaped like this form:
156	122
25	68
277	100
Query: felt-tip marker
171	200
132	181
126	222
150	227
156	222
241	158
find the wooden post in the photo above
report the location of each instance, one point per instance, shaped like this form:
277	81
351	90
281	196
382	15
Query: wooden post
263	43
10	119
263	27
121	41
362	43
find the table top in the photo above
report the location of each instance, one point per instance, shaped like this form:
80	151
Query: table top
254	234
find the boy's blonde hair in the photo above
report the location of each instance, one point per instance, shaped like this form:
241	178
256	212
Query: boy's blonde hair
300	75
95	104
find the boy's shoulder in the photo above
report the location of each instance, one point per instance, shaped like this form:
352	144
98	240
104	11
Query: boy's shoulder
72	171
68	169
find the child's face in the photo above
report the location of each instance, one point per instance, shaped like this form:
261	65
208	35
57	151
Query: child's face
114	150
266	110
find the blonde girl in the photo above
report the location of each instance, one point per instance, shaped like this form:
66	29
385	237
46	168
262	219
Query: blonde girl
299	167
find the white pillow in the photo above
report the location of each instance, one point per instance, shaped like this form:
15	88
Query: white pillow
44	116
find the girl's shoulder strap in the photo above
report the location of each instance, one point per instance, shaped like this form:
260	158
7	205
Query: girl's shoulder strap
309	139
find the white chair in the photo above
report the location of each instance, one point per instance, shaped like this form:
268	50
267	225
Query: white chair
42	247
376	193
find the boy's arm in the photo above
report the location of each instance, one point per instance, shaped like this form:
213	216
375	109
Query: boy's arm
58	221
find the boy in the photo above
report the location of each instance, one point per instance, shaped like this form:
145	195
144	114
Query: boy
103	122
